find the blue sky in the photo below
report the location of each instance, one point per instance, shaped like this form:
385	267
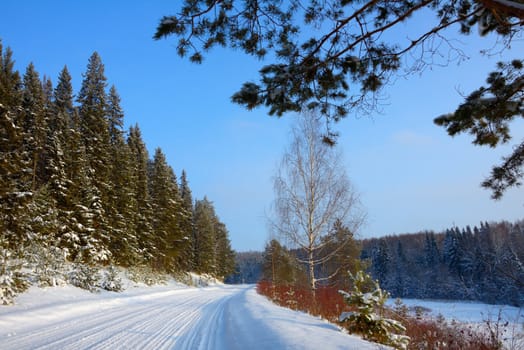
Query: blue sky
411	176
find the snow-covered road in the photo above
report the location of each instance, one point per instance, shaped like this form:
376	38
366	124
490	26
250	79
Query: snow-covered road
219	317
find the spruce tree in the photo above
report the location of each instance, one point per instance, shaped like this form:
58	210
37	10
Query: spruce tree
369	320
63	107
452	252
94	125
61	141
142	211
115	116
380	262
167	207
120	206
60	150
10	81
186	223
15	186
225	255
70	151
15	169
280	267
47	133
35	123
204	238
94	130
340	256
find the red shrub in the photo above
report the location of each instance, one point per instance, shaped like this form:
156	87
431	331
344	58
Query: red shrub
424	333
328	303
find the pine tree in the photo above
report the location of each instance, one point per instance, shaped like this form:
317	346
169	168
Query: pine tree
336	56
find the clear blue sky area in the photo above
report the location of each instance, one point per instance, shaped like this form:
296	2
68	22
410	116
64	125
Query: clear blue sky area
410	174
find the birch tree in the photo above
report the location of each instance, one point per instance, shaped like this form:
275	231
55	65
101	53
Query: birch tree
312	194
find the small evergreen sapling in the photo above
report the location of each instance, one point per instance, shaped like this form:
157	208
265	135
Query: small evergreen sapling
111	281
48	264
85	277
12	281
365	321
7	282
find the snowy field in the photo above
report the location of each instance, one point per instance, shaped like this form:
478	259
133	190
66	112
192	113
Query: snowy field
163	317
510	325
466	312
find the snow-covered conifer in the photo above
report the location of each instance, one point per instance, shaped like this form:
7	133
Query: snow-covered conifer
12	280
111	281
85	277
368	320
204	238
142	211
167	212
7	282
120	208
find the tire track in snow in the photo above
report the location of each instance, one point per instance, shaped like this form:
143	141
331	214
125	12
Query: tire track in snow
78	331
151	323
207	333
216	318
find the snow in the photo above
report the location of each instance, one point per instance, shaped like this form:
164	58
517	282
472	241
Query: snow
170	316
464	311
477	315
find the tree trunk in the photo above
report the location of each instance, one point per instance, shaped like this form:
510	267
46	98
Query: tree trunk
312	280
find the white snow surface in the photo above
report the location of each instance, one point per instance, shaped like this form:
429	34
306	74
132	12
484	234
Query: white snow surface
163	317
465	311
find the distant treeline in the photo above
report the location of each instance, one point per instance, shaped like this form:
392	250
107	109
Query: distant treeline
248	268
75	183
484	263
481	263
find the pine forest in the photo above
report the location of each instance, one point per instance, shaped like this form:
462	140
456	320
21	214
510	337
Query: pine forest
76	187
